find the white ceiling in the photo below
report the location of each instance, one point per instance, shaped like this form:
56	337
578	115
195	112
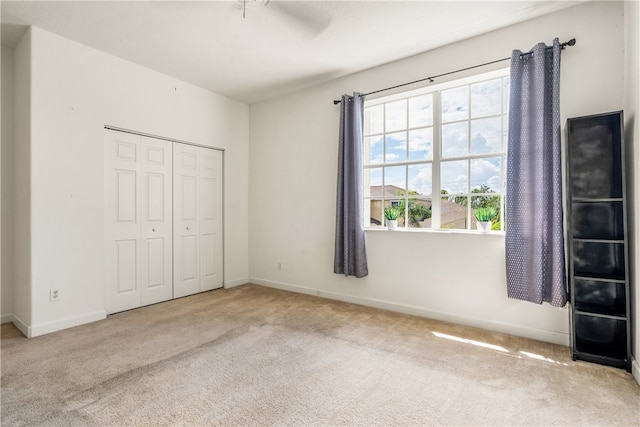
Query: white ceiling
280	46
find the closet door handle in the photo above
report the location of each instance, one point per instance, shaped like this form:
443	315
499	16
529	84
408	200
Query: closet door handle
188	228
153	229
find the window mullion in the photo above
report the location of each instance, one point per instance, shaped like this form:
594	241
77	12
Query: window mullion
435	168
469	136
406	168
503	157
384	157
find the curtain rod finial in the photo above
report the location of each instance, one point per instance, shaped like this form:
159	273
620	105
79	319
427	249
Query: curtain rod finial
336	101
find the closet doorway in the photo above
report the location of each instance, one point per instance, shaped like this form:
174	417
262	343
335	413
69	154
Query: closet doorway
163	220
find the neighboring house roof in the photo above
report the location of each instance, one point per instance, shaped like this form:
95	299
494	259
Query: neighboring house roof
452	215
390	191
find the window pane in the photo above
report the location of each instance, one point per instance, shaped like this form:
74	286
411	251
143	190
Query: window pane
421	144
420	179
421	111
375	176
503	226
487	202
485	98
376	216
504	174
395	147
418	212
455	140
497	224
396	115
485	135
505	131
485	175
453	212
506	88
373	182
455	104
373	150
395	181
373	119
454	176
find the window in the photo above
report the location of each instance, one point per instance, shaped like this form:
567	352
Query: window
448	140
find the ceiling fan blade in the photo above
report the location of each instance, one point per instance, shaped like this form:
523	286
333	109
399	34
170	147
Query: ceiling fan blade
301	14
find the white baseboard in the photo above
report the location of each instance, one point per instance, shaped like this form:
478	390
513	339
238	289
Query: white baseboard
6	318
58	325
536	334
20	324
233	283
635	369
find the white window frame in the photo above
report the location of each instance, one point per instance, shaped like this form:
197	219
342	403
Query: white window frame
437	160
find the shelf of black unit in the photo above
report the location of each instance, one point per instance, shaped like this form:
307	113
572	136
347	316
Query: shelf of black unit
596	240
596	199
601	338
597	219
598	258
616	362
618	277
600	315
600	295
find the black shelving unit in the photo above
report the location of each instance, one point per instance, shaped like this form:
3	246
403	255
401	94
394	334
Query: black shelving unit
597	240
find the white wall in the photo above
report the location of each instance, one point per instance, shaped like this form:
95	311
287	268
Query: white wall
22	311
632	133
451	276
75	91
6	192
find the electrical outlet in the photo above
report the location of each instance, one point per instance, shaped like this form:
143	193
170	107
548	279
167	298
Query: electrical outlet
54	295
280	266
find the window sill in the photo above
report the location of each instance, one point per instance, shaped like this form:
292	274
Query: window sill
432	230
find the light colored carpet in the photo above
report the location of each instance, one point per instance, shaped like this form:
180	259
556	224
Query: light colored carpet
257	356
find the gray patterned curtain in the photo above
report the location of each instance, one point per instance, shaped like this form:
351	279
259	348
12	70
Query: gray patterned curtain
534	233
350	254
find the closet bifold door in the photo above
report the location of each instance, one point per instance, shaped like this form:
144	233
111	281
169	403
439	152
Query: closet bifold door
597	241
197	213
138	221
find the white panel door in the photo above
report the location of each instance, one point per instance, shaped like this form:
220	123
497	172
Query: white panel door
210	219
186	280
138	221
197	213
156	220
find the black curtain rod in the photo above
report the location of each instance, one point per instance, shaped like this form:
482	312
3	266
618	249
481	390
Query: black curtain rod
571	42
